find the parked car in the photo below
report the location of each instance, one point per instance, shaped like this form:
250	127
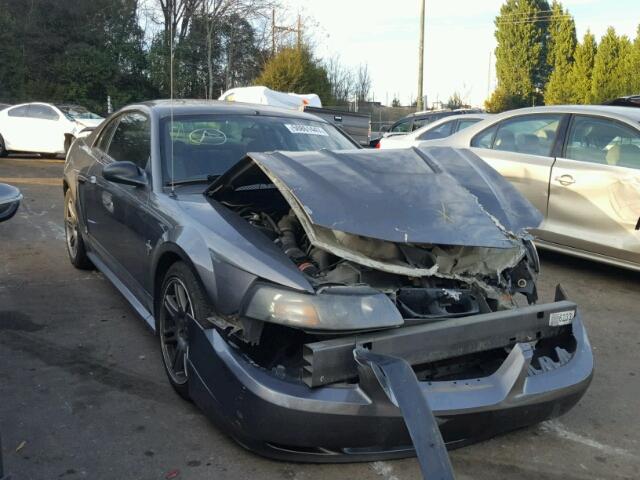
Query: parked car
628	101
40	128
324	287
442	128
579	165
10	198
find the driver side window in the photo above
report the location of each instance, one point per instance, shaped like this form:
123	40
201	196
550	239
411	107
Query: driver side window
132	140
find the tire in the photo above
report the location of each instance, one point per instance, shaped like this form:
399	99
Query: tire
3	150
73	236
181	294
49	155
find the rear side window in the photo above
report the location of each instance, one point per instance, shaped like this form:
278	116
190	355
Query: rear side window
18	111
402	127
485	138
42	112
441	131
604	141
420	122
528	134
462	124
132	139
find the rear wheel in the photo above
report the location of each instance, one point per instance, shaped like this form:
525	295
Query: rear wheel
3	150
73	236
182	297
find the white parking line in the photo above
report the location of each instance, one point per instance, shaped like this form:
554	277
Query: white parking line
555	427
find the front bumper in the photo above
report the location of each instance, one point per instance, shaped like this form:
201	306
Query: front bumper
349	422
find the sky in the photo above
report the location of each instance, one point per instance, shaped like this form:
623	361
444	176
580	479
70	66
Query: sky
459	40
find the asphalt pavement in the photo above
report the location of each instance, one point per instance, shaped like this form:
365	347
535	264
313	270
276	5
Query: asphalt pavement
83	393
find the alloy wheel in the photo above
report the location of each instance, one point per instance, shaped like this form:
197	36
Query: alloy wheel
176	309
71	228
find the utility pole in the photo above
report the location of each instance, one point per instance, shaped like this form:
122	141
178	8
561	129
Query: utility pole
273	31
420	103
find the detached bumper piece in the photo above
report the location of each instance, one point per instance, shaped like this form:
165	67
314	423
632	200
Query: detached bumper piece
373	401
400	385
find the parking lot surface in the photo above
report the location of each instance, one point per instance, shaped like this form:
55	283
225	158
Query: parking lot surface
83	393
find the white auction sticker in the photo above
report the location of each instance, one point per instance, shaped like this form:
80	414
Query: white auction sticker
306	129
557	319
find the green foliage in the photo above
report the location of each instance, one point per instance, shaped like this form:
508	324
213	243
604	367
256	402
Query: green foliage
560	55
582	70
295	69
455	101
69	51
608	79
521	65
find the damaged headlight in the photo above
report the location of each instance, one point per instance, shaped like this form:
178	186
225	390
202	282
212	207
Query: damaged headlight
331	309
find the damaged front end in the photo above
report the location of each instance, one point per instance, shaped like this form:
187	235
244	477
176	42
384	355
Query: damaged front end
418	263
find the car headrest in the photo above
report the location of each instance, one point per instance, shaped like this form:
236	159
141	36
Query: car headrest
505	140
626	154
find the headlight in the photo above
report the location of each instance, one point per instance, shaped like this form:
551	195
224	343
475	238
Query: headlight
332	309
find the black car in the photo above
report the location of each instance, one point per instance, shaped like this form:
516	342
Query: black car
319	301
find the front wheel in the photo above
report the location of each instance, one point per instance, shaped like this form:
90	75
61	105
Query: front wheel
182	297
73	236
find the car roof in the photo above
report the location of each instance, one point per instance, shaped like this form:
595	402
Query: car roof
628	112
440	121
163	108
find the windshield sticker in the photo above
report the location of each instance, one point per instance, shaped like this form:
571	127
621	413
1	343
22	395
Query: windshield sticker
306	129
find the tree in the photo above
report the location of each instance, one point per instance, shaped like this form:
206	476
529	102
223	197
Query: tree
582	70
608	68
521	66
363	83
632	66
561	48
295	69
69	51
341	80
455	102
396	102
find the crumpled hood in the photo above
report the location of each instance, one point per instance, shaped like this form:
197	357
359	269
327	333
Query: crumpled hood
433	195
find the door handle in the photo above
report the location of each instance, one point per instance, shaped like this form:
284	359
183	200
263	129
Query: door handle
92	179
565	180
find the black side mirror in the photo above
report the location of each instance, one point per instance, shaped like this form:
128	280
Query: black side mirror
9	201
127	173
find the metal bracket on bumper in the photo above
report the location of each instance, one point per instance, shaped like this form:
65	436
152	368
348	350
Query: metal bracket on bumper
400	385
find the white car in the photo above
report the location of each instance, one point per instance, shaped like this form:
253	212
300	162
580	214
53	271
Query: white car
439	129
43	128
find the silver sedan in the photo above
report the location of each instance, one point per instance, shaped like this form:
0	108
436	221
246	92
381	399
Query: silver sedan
579	165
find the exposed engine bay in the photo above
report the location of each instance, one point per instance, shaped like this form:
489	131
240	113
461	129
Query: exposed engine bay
419	282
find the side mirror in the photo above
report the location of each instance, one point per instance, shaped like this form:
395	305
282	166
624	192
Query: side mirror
9	201
127	173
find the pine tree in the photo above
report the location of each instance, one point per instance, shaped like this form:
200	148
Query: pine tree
561	48
582	69
632	66
608	67
521	66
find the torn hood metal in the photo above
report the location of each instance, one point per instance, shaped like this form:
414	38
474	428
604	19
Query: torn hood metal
433	195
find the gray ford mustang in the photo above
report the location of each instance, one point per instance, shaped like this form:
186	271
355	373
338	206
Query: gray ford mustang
318	301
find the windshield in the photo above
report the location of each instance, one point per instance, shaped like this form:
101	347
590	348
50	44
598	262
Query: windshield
76	112
208	145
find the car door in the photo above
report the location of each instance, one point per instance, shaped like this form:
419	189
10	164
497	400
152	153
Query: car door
521	149
116	213
47	128
594	202
14	129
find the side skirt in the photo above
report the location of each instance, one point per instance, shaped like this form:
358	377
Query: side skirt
124	290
